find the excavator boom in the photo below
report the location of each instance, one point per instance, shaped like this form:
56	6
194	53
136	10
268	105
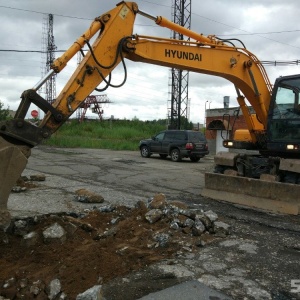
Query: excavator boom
114	44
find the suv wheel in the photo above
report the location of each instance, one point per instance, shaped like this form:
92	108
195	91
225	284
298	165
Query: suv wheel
194	158
145	151
175	155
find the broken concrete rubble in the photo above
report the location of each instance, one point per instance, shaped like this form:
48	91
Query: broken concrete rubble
18	189
221	229
38	177
30	239
153	215
54	232
25	182
158	202
54	289
130	234
188	220
20	227
94	293
86	196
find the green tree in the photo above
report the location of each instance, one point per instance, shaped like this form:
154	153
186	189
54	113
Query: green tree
4	113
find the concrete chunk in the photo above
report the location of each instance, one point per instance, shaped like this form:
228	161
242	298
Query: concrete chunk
54	232
153	215
292	165
94	293
226	158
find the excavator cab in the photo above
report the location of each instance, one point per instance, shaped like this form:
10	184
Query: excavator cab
284	118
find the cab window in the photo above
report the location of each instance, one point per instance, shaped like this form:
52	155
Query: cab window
285	103
284	122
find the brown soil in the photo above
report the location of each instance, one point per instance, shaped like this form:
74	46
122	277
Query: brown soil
94	251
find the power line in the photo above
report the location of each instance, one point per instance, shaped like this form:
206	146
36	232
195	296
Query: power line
257	33
39	12
203	17
28	51
281	63
264	62
158	4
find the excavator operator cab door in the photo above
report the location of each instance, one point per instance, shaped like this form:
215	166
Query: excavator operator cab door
284	117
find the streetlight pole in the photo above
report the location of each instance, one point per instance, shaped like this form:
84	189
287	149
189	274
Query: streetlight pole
205	116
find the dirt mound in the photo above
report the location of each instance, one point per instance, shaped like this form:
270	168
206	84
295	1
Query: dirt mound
91	248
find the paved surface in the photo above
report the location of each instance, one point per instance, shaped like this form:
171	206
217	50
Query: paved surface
120	177
189	290
259	260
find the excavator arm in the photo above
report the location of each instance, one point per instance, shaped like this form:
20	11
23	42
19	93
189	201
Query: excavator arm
97	65
114	44
18	136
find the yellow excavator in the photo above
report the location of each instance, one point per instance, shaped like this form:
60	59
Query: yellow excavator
268	179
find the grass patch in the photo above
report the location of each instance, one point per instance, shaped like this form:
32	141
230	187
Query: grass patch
117	135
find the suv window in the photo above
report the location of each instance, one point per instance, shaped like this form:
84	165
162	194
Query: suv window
179	135
168	136
196	137
175	135
160	136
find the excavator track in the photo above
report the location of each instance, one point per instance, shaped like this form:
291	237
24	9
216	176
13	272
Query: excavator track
270	196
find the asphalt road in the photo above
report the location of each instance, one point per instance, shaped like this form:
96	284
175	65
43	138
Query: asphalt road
121	177
259	260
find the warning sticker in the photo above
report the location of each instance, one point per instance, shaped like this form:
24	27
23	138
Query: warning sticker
124	11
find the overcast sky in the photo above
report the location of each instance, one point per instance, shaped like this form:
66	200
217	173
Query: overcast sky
268	28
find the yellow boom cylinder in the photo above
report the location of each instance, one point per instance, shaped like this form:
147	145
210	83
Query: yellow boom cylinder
62	61
163	22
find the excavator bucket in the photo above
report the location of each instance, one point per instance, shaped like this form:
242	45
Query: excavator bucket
271	196
13	160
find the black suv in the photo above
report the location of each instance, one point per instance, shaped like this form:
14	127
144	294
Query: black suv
177	144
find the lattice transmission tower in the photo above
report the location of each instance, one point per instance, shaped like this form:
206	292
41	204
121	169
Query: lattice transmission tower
93	102
48	56
179	103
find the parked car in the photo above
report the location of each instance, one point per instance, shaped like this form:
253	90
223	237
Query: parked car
177	144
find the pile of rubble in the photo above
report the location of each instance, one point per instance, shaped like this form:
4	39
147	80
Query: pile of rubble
41	256
181	218
25	182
